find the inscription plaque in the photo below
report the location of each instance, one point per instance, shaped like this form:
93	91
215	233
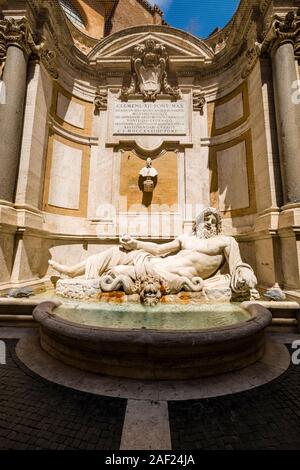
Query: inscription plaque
158	118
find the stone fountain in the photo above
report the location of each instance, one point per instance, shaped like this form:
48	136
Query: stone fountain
196	276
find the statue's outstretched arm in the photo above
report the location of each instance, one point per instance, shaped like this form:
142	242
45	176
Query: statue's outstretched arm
154	249
160	250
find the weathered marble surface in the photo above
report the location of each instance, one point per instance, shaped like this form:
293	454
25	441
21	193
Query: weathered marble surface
79	289
191	263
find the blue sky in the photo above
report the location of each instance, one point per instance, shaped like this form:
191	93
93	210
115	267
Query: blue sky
199	17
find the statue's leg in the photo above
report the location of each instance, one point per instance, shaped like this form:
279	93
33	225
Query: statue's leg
72	271
95	265
107	260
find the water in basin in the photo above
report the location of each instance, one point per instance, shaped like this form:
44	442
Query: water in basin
163	317
171	317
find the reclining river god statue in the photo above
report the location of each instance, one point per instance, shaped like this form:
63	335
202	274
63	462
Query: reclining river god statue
202	261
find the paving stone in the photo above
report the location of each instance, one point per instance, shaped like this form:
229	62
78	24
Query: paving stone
37	414
263	418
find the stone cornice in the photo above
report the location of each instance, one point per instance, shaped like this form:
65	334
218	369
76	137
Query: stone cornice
240	43
152	9
146	29
56	30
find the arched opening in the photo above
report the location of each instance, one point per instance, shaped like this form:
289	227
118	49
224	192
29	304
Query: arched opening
72	13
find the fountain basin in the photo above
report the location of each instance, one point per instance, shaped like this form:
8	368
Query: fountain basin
167	349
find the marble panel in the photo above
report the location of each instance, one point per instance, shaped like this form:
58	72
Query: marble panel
233	178
69	111
65	176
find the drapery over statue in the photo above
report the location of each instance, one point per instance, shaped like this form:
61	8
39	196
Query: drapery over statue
204	262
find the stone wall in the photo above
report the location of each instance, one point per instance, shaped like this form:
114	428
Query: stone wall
130	13
94	15
76	168
165	194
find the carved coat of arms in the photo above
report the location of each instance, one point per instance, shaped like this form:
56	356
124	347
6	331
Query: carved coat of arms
150	75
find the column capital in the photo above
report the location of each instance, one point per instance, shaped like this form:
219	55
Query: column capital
17	32
282	30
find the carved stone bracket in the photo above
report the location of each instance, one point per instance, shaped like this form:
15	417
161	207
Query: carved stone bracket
2	52
199	101
149	75
48	59
252	55
100	100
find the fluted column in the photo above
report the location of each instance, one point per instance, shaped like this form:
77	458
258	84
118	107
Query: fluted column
16	36
287	108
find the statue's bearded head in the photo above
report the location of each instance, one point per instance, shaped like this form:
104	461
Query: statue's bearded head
208	223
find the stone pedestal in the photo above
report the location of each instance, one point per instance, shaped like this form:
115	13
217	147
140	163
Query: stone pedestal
288	119
11	119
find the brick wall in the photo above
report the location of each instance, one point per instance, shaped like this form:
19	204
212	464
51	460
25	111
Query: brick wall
94	13
129	13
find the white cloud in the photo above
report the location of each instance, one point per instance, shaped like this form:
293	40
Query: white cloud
161	3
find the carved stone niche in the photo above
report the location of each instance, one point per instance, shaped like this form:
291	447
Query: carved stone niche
150	75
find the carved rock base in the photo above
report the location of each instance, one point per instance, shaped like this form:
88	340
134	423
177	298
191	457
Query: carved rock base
79	289
89	289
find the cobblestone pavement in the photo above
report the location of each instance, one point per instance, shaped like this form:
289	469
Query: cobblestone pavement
267	417
36	414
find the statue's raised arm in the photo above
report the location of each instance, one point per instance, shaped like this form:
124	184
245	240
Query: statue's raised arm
129	243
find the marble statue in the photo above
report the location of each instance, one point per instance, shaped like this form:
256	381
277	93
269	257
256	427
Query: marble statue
148	177
148	170
204	260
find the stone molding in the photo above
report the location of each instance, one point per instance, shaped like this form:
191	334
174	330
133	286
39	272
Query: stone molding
252	56
84	177
224	49
212	105
214	186
48	59
221	51
87	130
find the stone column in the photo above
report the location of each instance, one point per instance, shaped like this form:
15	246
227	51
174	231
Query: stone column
17	38
288	120
287	109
